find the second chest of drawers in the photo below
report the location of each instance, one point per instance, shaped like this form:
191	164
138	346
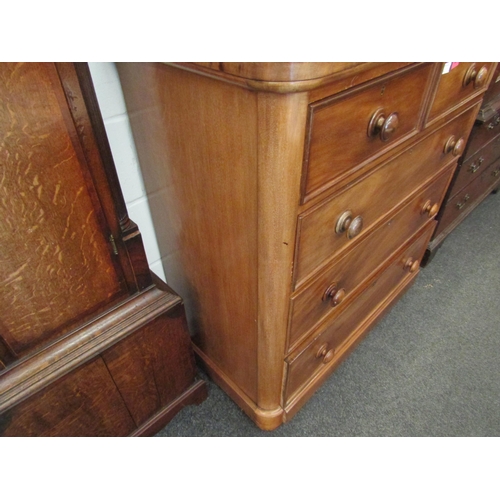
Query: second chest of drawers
299	200
478	172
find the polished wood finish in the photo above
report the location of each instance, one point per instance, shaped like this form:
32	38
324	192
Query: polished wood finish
343	131
90	344
455	87
221	203
372	196
281	72
84	403
475	176
292	77
298	210
305	362
351	270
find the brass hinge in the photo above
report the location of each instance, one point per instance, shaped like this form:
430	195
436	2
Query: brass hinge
113	244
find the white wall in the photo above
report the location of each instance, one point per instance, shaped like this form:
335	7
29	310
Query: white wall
114	113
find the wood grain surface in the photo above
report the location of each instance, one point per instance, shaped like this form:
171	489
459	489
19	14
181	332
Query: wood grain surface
337	140
373	196
251	177
450	91
53	244
85	403
207	218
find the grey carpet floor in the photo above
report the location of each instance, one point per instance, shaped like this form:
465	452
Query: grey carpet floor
431	367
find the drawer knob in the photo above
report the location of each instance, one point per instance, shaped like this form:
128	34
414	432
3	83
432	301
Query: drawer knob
383	125
454	146
334	294
430	209
325	353
349	225
494	122
462	204
412	265
474	167
477	77
496	172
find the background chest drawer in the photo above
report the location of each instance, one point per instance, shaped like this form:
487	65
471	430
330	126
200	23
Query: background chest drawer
483	133
476	165
349	129
325	349
457	85
466	199
374	196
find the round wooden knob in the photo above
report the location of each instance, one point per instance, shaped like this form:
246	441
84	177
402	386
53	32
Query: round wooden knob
334	294
322	350
412	265
325	353
383	125
454	146
477	77
430	209
328	356
355	227
351	226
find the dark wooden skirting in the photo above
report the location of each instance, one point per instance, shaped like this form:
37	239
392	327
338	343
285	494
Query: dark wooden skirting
196	394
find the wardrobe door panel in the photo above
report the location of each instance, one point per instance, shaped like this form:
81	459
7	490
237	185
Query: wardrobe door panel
57	264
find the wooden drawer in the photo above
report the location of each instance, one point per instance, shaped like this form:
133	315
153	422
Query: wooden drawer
317	357
372	197
465	200
476	165
452	90
337	140
312	304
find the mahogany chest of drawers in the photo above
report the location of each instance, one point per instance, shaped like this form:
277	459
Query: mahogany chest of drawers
301	200
478	171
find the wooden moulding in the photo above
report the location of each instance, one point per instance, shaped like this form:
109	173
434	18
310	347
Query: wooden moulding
24	378
91	140
195	394
266	420
290	77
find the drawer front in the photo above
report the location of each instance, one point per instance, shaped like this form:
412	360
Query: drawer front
457	85
483	134
476	165
373	197
464	201
338	140
339	285
329	345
